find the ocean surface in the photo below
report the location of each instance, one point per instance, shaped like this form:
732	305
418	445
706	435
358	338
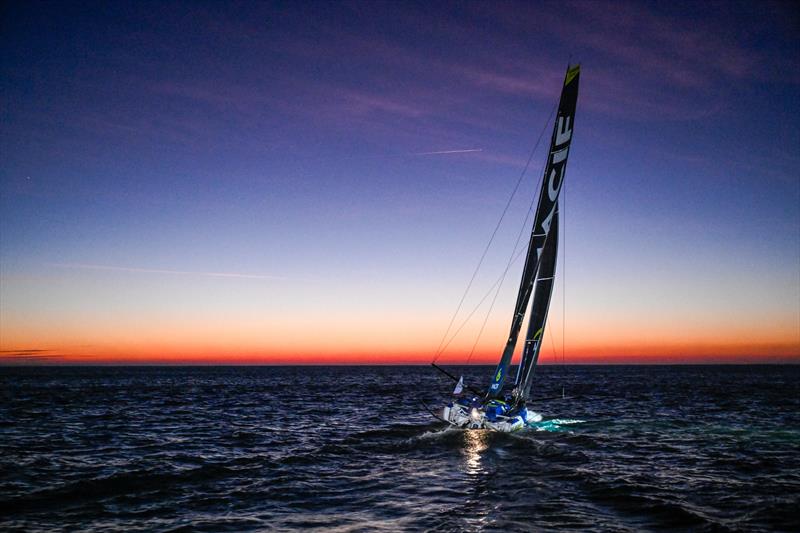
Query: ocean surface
637	448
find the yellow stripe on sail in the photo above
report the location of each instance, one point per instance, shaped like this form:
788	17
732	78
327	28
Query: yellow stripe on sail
571	73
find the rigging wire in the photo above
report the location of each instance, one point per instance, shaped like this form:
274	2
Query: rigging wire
553	345
440	349
563	231
563	278
510	259
562	221
477	306
500	285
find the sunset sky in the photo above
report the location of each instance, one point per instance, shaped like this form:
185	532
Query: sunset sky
315	182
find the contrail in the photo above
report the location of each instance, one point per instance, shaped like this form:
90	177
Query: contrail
450	152
174	272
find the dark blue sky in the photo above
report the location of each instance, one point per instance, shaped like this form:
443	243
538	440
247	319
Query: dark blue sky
149	147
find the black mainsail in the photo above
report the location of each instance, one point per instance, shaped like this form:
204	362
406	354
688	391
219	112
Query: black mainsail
542	293
544	231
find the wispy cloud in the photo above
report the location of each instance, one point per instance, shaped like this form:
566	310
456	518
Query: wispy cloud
441	152
27	355
138	270
362	102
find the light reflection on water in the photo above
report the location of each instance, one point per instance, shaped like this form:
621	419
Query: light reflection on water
475	443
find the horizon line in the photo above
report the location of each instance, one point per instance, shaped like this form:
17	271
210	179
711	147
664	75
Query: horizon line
196	364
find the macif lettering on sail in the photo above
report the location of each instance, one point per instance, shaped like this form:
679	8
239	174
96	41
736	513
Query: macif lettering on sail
558	162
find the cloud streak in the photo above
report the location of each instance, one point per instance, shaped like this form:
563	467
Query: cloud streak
442	152
27	355
137	270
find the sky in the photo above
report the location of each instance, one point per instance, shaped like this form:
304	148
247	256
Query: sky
289	182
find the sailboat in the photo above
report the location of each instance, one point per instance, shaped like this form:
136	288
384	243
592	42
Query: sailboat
504	405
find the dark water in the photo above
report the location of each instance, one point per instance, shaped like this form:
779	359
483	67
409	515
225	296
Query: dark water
246	448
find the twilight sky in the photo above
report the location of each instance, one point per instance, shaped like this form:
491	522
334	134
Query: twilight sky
287	182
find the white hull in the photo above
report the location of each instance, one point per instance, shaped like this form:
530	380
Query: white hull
476	418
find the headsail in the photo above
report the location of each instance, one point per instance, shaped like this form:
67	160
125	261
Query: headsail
538	320
459	386
544	219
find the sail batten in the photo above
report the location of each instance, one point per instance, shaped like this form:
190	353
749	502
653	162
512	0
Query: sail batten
545	222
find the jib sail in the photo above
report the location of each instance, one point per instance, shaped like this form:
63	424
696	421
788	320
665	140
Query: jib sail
538	319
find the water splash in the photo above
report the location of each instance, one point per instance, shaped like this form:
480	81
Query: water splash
554	424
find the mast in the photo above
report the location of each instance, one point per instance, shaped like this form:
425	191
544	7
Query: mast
545	212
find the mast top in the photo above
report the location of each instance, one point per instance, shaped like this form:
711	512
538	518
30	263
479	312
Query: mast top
571	73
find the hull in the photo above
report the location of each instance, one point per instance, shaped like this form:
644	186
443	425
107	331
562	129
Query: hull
494	416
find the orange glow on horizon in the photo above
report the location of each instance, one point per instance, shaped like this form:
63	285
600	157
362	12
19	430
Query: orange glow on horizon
684	354
400	340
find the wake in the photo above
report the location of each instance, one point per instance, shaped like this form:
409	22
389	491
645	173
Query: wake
554	424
